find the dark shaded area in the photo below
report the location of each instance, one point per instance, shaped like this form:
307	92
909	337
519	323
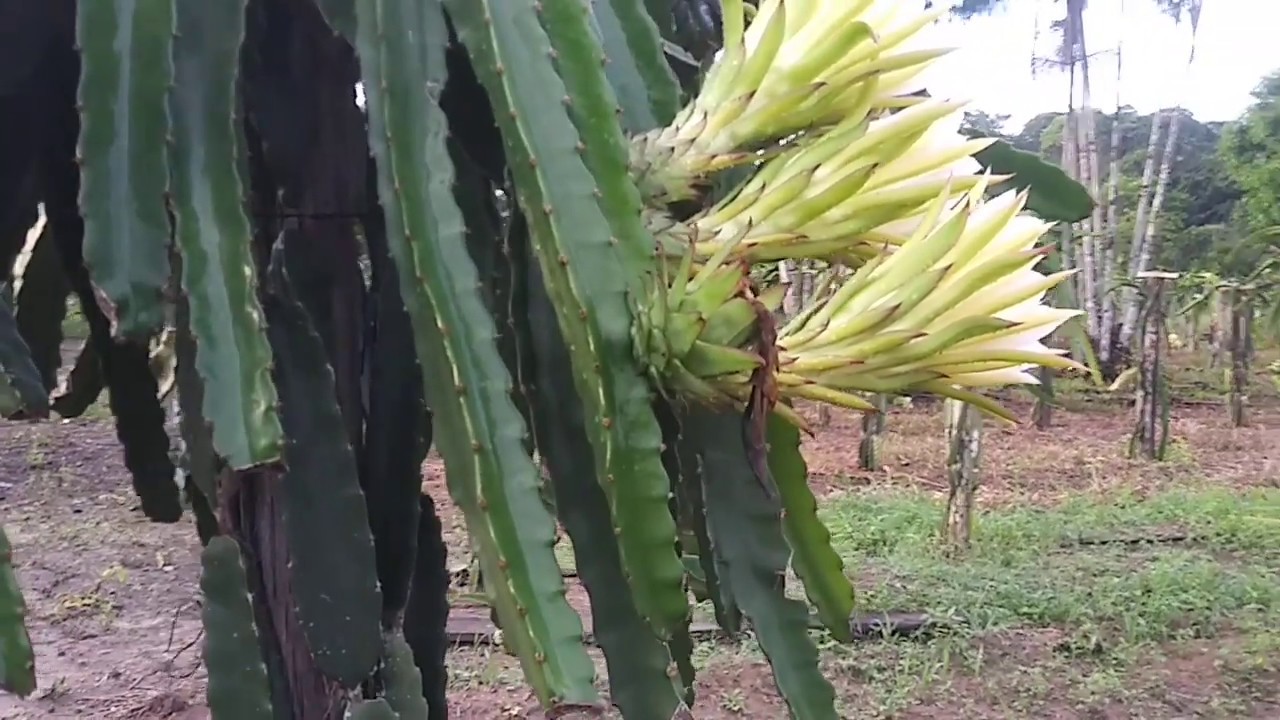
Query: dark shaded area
397	428
427	609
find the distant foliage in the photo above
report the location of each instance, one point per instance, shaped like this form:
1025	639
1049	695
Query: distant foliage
1203	222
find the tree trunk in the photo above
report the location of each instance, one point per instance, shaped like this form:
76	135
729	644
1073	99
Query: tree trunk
798	279
793	298
1145	237
1071	166
1129	302
1042	411
1082	169
872	443
1143	212
964	452
305	157
1151	404
1091	177
808	285
251	511
1070	251
1149	246
1066	249
1240	342
1108	321
1217	329
807	275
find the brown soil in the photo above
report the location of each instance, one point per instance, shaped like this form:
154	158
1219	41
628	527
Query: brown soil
114	615
111	597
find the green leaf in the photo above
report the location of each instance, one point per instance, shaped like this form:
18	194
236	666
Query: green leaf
237	686
1082	345
17	660
332	563
746	525
480	434
213	234
126	72
1053	196
815	561
588	281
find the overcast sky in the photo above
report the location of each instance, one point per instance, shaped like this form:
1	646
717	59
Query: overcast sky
1236	46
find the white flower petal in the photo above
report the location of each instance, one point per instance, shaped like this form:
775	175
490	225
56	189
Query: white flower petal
1015	298
1020	338
1018	375
1020	234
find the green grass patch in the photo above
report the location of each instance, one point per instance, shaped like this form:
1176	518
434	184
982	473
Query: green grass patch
74	325
1053	628
1025	568
1190	378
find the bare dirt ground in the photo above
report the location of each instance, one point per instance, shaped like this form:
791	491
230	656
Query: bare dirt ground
114	616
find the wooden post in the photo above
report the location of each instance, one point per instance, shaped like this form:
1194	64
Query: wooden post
872	444
1042	411
792	299
964	453
1151	403
808	276
813	284
1217	328
1239	346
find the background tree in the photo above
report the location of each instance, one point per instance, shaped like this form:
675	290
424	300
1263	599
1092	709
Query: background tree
1096	246
1251	156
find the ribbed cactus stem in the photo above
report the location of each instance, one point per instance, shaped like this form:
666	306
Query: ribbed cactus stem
592	285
